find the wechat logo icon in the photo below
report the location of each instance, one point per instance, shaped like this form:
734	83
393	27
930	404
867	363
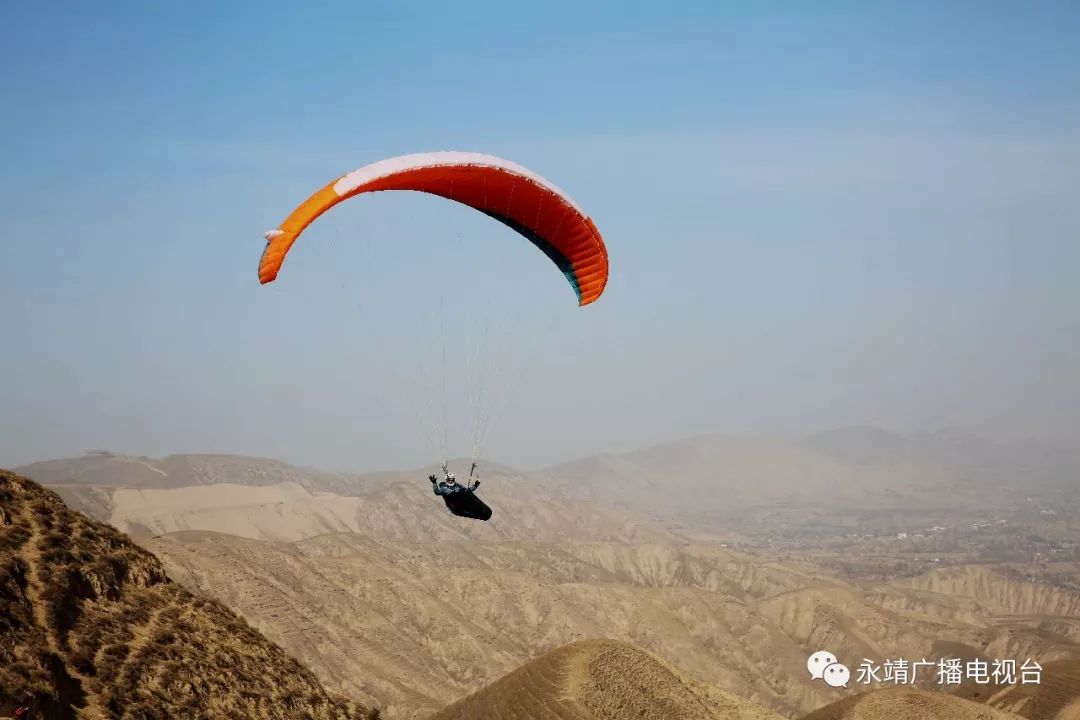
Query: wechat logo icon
822	665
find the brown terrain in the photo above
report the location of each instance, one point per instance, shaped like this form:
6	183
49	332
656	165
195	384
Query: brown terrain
92	628
418	623
909	704
866	466
1056	697
601	680
393	602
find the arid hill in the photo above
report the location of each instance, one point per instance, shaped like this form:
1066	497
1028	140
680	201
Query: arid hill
412	626
701	478
1055	697
267	500
907	704
110	469
402	511
91	627
394	602
600	680
101	468
986	587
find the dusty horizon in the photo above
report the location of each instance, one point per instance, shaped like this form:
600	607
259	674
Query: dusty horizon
1036	445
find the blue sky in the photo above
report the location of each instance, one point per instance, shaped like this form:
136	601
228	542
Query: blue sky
817	214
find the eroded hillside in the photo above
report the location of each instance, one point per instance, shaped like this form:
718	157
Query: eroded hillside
394	602
907	704
1055	697
414	625
93	628
601	680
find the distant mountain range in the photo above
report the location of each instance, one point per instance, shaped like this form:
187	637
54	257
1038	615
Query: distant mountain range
701	477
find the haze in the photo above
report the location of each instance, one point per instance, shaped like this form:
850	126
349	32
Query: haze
815	217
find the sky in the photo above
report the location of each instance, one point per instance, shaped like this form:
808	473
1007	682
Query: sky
817	214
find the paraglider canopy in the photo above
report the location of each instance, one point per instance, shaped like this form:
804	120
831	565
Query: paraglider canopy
515	196
505	191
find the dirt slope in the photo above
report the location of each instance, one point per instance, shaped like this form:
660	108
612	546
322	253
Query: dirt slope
396	603
289	511
600	680
907	704
413	626
1007	597
1055	697
91	628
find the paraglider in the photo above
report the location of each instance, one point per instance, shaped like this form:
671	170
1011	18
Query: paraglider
461	500
528	204
509	193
